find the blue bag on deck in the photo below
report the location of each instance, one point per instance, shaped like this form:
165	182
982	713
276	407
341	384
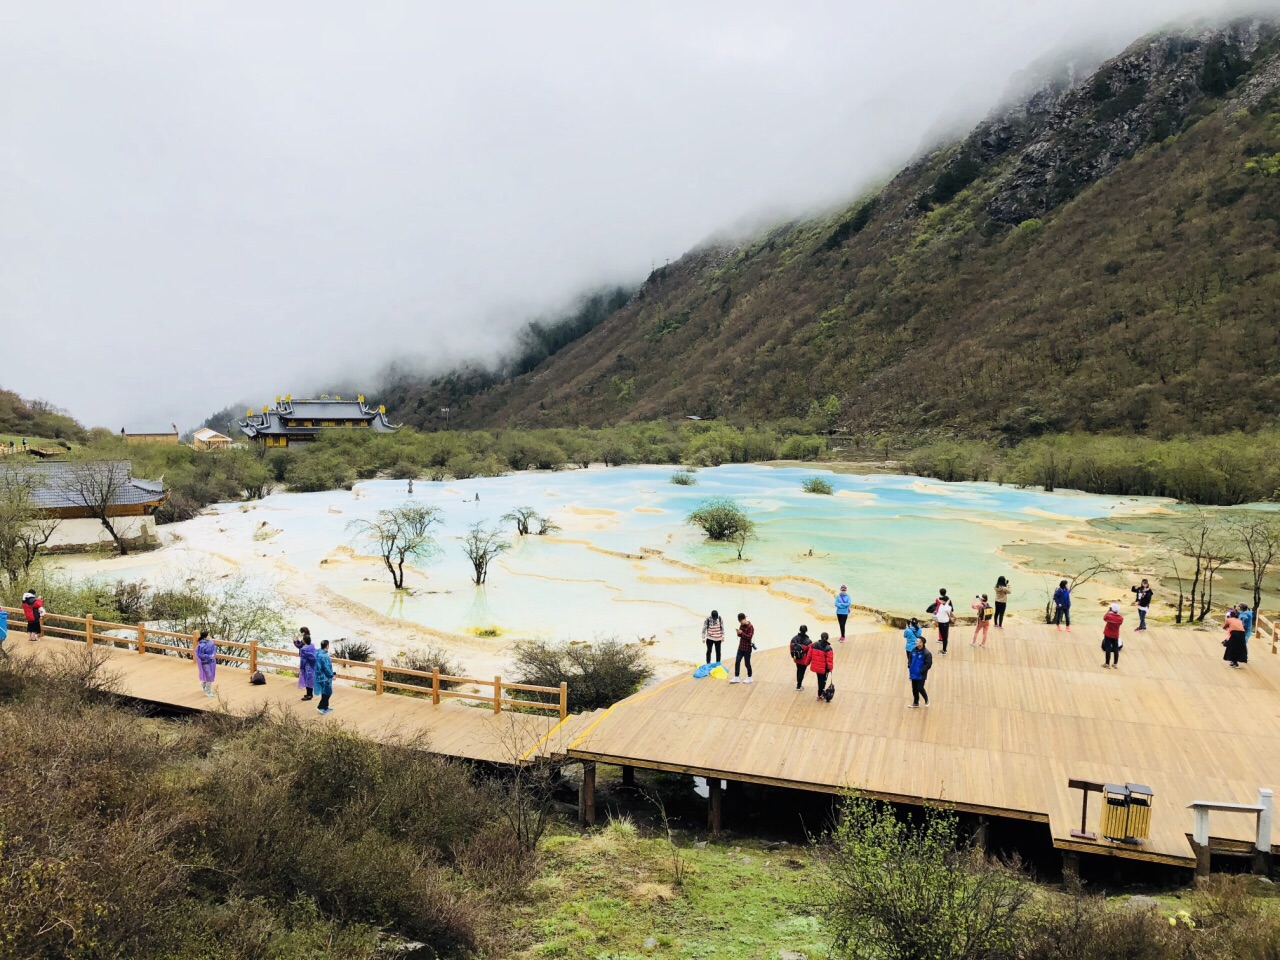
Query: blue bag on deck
702	672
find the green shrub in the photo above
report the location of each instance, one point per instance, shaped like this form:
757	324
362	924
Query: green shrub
425	659
599	674
818	485
359	650
684	478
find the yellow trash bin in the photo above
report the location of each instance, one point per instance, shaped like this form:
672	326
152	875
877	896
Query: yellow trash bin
1115	812
1140	798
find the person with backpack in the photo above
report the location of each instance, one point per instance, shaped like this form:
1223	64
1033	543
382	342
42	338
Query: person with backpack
918	670
801	646
746	643
324	677
713	634
1142	595
1111	621
843	603
822	660
33	610
985	613
206	662
942	611
1062	605
306	662
913	633
1002	601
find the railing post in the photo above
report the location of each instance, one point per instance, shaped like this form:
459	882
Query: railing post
435	686
88	630
377	677
497	695
564	700
142	638
253	655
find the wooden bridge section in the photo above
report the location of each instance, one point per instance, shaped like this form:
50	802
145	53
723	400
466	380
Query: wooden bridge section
1008	726
463	717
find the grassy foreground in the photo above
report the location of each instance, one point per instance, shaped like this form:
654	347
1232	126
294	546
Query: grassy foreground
264	838
605	894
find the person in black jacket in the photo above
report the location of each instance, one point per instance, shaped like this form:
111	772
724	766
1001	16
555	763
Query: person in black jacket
1142	595
800	645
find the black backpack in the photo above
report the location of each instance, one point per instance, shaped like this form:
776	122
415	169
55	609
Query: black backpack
932	608
797	649
830	692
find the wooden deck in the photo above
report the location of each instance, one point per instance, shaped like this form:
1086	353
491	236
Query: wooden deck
1008	726
448	728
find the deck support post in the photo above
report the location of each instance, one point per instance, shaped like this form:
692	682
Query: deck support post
88	630
497	695
1262	843
377	677
435	686
715	806
142	639
587	794
629	776
253	655
982	835
1070	867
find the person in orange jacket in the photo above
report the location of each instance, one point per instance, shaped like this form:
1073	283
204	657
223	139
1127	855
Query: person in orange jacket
1111	621
822	660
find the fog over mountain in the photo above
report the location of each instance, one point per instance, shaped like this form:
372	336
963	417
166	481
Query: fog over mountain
205	202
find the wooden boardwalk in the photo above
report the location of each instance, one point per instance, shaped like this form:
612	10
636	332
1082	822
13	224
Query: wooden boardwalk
449	728
1008	726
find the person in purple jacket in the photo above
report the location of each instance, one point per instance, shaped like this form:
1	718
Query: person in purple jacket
306	662
206	662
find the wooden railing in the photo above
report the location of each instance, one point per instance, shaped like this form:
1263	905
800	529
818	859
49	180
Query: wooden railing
259	656
1271	627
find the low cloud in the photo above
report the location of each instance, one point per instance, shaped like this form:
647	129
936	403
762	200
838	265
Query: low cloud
205	202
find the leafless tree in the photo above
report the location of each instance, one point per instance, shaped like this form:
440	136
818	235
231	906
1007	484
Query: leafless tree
23	530
1200	539
522	517
482	544
399	535
1092	568
1260	536
97	485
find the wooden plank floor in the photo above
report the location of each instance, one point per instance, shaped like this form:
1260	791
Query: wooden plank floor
1008	726
451	729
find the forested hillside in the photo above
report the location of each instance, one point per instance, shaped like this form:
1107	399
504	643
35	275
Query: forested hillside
36	419
1102	255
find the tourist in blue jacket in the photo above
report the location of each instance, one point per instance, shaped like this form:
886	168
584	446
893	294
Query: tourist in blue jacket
324	677
918	670
1246	617
913	633
1062	606
843	602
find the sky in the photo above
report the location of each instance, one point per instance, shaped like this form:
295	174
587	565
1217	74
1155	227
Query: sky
207	203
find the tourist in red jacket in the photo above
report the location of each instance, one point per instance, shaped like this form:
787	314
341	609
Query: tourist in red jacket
822	660
1111	621
746	643
33	610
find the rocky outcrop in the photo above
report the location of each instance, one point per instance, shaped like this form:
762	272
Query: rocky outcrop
1071	137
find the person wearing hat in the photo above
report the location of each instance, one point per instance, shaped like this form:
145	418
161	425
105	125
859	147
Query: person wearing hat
1111	621
913	633
33	610
843	602
801	654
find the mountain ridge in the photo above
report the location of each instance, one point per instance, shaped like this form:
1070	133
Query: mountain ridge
1100	255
